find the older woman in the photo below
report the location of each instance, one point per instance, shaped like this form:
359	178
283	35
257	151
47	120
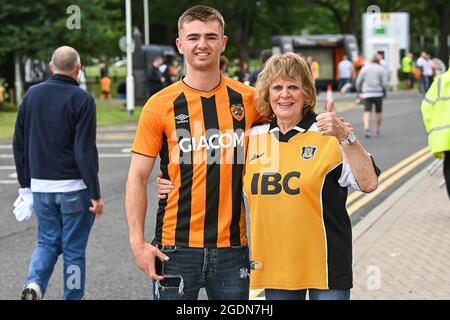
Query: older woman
297	173
298	169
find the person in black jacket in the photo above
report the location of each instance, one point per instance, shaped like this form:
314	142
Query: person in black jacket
56	157
156	79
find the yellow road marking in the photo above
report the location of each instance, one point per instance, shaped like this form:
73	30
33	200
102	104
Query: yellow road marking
384	175
358	204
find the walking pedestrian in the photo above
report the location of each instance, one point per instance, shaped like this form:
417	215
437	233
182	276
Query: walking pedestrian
345	72
371	82
56	159
407	70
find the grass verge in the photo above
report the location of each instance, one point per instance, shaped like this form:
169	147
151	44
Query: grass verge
107	113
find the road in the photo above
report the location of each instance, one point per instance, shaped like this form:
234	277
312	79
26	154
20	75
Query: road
112	273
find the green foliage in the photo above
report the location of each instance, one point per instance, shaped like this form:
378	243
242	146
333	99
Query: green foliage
36	28
112	113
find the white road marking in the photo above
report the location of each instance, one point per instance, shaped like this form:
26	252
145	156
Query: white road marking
9	182
115	155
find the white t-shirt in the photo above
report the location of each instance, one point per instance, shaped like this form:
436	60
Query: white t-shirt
345	69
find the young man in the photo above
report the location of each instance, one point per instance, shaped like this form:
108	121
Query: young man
197	126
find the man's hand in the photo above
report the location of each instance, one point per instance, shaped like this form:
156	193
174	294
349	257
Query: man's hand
330	124
145	255
163	187
97	207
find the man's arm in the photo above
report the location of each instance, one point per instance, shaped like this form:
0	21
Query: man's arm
85	151
19	149
136	209
360	79
427	106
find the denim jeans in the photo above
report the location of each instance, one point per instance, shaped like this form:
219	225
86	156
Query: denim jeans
64	223
224	272
342	82
314	294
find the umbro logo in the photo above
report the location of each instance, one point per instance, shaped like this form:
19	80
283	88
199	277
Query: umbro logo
256	156
181	118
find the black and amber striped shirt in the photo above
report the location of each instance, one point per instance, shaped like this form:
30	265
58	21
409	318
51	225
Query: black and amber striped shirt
201	139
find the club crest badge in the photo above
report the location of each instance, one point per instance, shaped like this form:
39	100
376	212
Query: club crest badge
308	152
237	111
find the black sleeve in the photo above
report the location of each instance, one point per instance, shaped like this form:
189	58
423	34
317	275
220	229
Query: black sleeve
155	75
377	170
254	77
20	148
85	148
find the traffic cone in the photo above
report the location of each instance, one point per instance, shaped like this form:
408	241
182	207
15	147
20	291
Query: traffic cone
329	92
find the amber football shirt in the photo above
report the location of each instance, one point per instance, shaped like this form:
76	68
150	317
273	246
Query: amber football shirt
201	139
300	232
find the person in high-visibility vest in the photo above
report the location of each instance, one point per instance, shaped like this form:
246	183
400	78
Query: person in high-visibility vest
407	69
436	117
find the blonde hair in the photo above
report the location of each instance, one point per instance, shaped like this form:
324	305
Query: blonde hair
200	13
287	66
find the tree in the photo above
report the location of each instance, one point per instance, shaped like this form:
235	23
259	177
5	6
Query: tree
345	13
35	28
442	10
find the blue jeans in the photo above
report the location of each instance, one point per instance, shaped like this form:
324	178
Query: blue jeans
342	82
224	272
314	294
64	223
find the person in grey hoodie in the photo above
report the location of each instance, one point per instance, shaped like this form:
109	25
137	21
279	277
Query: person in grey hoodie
371	83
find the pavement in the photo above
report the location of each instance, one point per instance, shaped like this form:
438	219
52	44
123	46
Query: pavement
401	249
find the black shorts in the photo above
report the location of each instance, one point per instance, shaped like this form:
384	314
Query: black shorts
408	76
368	102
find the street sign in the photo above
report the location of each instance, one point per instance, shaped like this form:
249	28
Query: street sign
389	24
123	44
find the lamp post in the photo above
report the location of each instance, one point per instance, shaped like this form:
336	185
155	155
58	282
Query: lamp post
146	24
130	49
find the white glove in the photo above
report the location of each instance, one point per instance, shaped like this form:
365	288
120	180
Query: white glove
24	205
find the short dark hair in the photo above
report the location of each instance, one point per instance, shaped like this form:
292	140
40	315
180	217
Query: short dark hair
200	13
265	55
